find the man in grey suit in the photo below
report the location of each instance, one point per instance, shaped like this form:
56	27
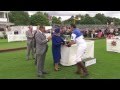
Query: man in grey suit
41	49
30	42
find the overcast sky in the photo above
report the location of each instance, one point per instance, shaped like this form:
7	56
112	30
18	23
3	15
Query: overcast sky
67	14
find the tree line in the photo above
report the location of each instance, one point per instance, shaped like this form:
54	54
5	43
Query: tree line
40	18
98	19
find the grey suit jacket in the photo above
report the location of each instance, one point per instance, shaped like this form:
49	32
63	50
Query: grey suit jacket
41	43
29	36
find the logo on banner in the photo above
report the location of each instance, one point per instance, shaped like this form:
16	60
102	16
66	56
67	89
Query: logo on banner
113	43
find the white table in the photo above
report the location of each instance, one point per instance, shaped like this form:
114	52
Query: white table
112	48
68	54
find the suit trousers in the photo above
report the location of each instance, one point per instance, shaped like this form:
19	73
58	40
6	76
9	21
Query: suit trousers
40	63
30	48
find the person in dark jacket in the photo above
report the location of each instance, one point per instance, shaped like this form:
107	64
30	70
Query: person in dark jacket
57	41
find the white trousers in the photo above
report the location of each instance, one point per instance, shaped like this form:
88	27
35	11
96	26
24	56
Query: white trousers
80	52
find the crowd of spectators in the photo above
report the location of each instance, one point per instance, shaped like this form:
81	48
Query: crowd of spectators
93	32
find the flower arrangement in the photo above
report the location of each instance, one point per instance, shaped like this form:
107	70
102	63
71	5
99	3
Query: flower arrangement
113	43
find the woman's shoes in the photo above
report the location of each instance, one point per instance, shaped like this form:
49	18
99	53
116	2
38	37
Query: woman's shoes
57	69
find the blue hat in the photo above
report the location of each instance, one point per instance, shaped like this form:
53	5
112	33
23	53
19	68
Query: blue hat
57	30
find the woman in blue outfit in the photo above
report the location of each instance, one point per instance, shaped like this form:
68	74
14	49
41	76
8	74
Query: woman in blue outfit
57	41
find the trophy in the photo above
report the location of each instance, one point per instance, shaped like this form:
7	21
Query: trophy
67	40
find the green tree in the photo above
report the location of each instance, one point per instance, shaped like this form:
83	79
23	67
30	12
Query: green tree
39	19
116	21
56	20
46	14
109	20
101	17
97	19
69	21
59	18
19	17
87	20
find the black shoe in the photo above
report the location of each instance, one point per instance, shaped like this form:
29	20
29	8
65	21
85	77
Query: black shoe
45	72
77	72
42	76
85	75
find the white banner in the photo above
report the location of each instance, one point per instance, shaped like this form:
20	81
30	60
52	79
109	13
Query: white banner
19	37
68	54
113	45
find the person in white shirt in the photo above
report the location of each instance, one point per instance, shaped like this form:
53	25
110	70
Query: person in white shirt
30	44
77	38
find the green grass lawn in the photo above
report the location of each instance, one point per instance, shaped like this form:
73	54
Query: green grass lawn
4	44
13	65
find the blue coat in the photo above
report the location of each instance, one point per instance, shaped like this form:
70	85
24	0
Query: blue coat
56	48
